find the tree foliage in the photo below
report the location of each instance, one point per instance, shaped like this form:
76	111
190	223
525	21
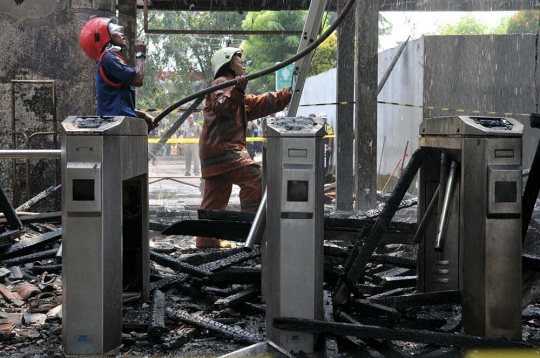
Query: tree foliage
467	25
179	65
524	22
264	51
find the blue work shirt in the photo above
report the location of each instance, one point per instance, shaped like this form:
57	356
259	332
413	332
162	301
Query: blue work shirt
112	101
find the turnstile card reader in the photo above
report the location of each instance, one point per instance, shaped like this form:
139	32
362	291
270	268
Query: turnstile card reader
104	228
294	230
481	254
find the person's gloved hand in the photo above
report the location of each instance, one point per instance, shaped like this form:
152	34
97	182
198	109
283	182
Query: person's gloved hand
241	83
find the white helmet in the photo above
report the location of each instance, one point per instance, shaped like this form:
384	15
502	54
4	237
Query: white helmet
224	56
323	115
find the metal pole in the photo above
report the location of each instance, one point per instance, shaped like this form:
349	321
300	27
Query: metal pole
258	227
427	216
33	153
447	201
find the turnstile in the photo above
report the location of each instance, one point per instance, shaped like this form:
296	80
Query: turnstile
472	241
104	228
294	228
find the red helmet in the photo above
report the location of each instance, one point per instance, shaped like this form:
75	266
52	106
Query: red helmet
94	36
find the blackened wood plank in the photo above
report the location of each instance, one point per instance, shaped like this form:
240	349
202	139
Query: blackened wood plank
47	254
30	243
232	260
233	333
421	299
157	328
167	261
168	282
408	335
240	297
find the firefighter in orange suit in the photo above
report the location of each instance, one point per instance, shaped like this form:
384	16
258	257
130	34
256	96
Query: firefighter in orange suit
224	157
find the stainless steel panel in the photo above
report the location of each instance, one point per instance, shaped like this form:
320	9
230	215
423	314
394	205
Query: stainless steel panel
486	220
294	246
113	155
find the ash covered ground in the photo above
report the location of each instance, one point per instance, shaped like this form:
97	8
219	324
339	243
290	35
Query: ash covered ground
198	321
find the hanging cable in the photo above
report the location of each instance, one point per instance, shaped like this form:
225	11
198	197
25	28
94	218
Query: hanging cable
264	72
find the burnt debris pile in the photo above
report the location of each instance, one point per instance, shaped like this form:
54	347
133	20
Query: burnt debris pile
212	302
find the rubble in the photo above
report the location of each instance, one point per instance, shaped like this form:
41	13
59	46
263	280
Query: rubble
208	303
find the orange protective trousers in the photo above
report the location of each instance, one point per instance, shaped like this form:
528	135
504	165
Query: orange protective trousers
218	188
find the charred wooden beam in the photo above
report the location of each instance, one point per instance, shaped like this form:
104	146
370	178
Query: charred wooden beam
232	260
226	215
12	219
336	251
29	243
395	292
331	346
355	273
235	274
372	309
233	333
230	230
8	237
421	299
180	338
39	269
45	193
369	289
408	335
157	328
253	308
168	282
223	292
157	225
40	218
47	254
392	260
175	264
393	272
443	353
452	325
399	281
210	256
237	298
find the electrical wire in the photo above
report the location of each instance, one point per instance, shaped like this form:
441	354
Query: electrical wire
262	73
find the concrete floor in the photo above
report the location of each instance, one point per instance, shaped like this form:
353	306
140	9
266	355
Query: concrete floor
171	190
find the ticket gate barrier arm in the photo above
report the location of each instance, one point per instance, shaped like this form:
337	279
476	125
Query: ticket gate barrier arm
447	201
427	216
258	227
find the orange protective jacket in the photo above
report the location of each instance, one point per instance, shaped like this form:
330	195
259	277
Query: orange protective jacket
222	145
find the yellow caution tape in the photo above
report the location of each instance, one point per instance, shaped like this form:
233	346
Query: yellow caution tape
196	140
445	109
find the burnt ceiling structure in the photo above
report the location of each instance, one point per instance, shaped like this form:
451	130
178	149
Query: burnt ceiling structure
385	5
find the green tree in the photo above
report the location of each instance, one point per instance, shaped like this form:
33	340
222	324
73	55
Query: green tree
265	51
178	65
467	25
524	22
325	56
